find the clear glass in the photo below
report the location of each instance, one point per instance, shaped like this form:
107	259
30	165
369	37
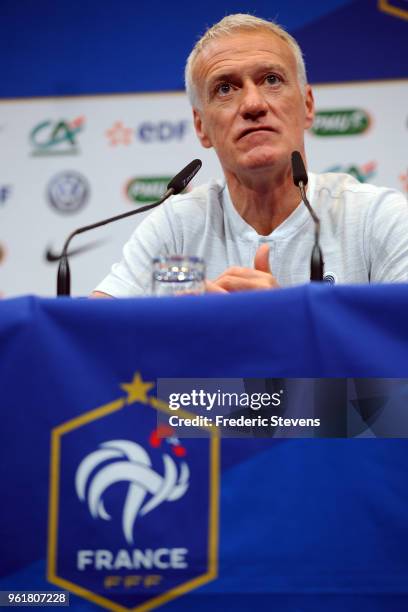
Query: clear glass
178	274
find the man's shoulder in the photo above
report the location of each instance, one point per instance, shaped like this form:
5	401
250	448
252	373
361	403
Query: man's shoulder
338	185
186	210
199	197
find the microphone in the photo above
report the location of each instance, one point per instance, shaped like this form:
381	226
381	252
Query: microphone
177	184
300	179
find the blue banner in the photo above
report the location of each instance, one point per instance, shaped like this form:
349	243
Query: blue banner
99	501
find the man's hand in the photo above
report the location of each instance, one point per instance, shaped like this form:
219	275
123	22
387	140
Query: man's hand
246	279
99	294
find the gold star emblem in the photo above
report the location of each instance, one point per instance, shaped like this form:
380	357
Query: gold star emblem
137	389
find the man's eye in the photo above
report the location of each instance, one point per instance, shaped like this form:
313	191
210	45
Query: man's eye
223	89
273	79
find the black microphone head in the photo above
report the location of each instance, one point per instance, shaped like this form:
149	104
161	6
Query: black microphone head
298	169
182	179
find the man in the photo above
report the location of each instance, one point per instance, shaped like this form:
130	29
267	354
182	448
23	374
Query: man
247	84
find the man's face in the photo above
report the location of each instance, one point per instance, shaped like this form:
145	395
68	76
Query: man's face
252	110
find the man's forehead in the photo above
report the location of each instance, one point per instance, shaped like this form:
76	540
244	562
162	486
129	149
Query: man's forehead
242	47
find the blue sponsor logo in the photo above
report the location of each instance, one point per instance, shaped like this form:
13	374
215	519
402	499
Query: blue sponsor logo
162	131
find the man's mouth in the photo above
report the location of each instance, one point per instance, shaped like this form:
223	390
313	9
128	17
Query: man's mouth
254	130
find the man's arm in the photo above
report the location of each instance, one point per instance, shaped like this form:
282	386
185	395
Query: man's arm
131	277
386	239
236	278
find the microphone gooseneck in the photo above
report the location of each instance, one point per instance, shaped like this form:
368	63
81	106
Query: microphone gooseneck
177	184
300	179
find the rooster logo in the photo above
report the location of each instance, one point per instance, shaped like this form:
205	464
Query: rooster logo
125	461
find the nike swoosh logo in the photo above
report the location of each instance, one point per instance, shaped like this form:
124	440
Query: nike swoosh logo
52	257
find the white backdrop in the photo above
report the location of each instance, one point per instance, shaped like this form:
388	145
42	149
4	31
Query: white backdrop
154	138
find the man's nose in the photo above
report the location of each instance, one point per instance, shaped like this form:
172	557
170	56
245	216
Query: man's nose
253	103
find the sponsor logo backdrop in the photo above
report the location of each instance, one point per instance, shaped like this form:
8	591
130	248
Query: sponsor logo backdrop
123	147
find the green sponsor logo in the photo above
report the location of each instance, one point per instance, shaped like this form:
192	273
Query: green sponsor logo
346	122
144	190
56	138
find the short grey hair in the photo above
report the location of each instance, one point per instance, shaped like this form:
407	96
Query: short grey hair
229	25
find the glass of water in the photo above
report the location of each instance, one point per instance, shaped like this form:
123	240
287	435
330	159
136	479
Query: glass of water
178	274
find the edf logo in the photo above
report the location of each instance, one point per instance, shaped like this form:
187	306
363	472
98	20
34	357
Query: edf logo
163	131
5	192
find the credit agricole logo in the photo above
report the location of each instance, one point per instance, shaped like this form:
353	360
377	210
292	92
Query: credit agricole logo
56	137
341	122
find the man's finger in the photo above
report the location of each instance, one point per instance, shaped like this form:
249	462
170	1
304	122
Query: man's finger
261	261
236	283
212	287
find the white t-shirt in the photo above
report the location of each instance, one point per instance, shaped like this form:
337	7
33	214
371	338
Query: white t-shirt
364	236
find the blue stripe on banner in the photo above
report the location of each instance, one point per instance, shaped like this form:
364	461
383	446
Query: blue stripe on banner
49	49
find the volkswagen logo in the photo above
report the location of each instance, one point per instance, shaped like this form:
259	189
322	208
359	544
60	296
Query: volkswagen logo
68	192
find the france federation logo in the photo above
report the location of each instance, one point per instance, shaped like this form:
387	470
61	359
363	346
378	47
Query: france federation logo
126	461
133	519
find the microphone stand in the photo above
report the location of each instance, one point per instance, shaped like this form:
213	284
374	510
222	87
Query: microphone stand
300	179
64	274
316	261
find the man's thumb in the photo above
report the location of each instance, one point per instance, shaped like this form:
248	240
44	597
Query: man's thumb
261	261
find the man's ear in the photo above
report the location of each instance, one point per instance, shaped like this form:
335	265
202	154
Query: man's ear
309	107
200	129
